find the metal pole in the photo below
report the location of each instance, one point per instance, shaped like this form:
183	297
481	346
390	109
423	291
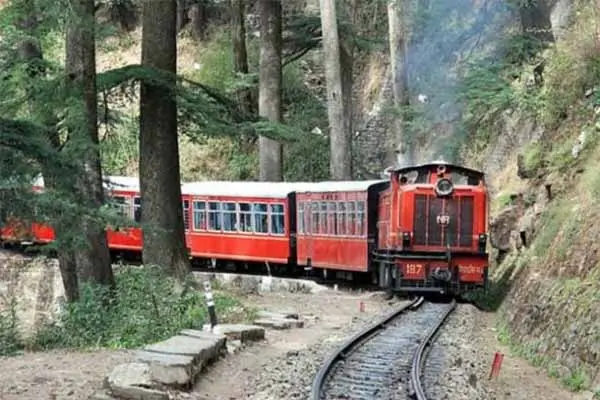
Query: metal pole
211	304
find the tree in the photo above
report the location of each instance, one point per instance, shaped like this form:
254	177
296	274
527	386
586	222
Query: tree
397	39
30	53
162	212
92	257
269	87
340	137
240	55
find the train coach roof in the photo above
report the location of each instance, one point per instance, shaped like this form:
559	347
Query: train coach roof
340	186
110	182
436	163
270	189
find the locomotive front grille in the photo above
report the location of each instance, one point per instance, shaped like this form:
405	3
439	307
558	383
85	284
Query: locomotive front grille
432	228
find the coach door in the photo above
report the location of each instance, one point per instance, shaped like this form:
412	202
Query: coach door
312	225
383	225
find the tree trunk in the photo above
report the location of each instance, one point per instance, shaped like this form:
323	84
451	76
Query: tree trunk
535	20
182	14
340	139
269	89
401	150
198	20
162	216
93	259
30	52
240	55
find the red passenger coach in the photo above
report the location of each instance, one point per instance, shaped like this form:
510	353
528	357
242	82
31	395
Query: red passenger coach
337	225
124	194
241	221
433	230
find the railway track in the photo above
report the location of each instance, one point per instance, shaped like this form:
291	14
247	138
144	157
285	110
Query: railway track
384	361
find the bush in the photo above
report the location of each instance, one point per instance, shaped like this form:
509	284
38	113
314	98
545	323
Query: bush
149	307
10	340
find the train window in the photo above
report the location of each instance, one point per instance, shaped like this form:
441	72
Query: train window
300	219
323	218
350	218
245	224
261	218
137	209
199	215
332	217
341	218
186	214
214	216
314	228
360	218
277	219
121	203
229	217
464	178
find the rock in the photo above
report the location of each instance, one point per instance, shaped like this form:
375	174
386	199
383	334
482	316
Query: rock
502	226
101	395
279	323
131	382
234	346
243	333
170	369
202	349
277	314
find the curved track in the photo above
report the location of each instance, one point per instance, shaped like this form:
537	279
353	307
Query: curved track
384	361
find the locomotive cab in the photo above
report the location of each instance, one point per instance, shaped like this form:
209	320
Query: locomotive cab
433	230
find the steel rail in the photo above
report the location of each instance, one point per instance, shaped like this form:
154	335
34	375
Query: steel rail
419	358
353	343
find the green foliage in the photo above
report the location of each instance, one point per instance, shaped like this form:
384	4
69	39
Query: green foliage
307	159
149	307
533	156
10	339
485	92
576	380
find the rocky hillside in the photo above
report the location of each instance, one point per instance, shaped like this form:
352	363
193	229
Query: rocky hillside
542	162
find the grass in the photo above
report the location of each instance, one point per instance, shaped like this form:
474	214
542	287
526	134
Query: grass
149	307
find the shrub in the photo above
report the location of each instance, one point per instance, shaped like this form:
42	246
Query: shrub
149	307
10	340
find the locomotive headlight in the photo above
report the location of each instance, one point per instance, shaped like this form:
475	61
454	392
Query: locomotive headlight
444	187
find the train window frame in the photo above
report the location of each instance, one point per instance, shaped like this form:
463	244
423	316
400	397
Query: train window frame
214	217
323	219
314	215
351	218
264	215
332	218
123	208
245	219
137	209
185	205
361	222
229	220
277	216
199	224
300	215
341	218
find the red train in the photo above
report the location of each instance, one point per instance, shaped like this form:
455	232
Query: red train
422	230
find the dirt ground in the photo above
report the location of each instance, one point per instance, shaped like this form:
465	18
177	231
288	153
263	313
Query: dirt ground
519	380
56	375
329	318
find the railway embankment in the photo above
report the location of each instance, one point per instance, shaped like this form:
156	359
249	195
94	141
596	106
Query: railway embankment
542	163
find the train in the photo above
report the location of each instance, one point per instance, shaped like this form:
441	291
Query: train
422	229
